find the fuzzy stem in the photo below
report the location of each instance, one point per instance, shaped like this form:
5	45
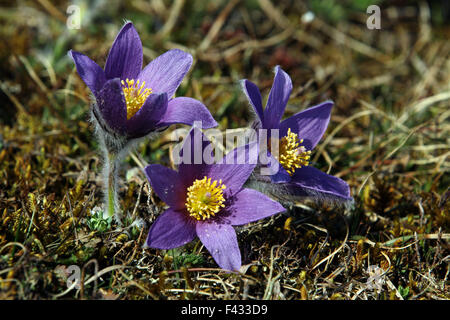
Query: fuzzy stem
110	184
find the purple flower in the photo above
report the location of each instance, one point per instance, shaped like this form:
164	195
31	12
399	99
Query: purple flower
132	101
298	135
206	200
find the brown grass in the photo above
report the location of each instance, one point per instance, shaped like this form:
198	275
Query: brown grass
388	138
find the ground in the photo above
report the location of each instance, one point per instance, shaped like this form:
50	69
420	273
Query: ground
388	138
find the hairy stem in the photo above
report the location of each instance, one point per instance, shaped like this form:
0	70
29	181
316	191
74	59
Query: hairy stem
110	184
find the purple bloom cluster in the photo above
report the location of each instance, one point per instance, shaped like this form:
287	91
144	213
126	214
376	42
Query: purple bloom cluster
131	101
205	199
299	135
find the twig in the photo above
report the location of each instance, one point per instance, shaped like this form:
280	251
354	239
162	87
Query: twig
215	28
270	280
170	23
335	251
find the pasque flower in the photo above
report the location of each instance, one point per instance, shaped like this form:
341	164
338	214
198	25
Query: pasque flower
298	135
131	101
206	200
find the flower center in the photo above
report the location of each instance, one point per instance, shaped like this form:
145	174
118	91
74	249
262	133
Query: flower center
205	199
135	95
291	154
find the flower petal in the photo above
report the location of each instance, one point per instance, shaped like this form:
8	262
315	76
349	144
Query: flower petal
166	184
221	242
278	98
235	168
254	97
165	73
195	155
89	71
172	229
112	106
316	182
147	117
125	56
187	110
250	205
309	124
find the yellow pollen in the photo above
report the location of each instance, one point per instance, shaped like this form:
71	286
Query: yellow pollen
135	95
205	199
291	154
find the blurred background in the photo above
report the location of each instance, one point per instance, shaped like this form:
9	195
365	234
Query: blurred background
388	138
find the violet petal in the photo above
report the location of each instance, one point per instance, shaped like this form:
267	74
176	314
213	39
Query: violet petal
89	71
165	73
278	98
194	157
309	124
315	181
171	229
250	205
146	118
235	168
112	106
221	242
187	110
125	56
254	97
166	184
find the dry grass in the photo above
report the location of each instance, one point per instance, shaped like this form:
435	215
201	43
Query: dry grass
388	138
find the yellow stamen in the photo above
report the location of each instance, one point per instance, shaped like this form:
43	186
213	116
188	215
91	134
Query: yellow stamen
291	154
205	199
135	95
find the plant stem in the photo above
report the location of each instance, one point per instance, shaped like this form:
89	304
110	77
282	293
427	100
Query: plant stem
110	174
